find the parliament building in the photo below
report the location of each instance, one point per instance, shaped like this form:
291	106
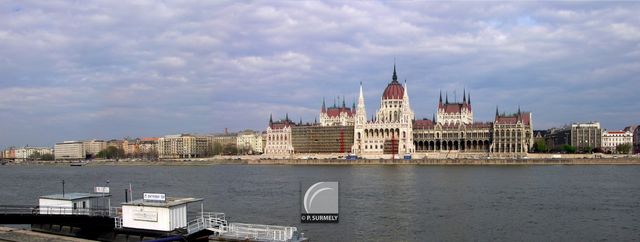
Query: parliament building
394	132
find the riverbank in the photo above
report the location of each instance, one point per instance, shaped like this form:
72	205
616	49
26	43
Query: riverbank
437	162
14	234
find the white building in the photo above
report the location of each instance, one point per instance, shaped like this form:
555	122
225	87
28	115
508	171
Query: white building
611	139
183	146
391	132
69	150
455	113
26	152
278	140
165	214
337	116
250	140
92	147
73	203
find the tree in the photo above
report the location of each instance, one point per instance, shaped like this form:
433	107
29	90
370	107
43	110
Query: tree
217	148
35	156
569	149
46	157
623	148
230	149
540	146
111	152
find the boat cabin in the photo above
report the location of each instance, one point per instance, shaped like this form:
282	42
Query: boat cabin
156	212
73	203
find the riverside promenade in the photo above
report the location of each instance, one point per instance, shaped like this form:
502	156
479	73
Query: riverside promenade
260	160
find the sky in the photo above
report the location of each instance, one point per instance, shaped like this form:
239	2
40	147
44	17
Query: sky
75	70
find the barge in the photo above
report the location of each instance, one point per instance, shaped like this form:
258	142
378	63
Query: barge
155	217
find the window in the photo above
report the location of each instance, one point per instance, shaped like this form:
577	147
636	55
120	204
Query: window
84	204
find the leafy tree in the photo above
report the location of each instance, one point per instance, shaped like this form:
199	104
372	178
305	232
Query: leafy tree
35	156
217	148
623	148
46	157
111	152
569	149
230	149
540	146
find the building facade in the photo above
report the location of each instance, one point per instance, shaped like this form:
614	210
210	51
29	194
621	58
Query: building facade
183	146
337	116
26	153
249	140
69	150
278	137
93	147
318	139
512	133
586	136
453	130
390	132
612	139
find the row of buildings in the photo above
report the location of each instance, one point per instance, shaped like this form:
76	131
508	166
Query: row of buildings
394	130
589	137
166	147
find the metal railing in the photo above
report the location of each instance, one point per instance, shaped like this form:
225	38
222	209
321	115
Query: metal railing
207	220
117	222
37	210
261	232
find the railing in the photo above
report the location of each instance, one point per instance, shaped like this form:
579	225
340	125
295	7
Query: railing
36	210
207	220
261	232
117	222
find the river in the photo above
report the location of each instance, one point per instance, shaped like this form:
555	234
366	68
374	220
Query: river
408	203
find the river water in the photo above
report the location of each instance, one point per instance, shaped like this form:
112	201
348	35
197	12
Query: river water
407	203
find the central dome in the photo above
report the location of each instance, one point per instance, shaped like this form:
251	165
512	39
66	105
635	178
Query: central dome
394	90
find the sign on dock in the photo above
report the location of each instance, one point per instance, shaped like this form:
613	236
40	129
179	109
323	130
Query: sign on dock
101	190
158	197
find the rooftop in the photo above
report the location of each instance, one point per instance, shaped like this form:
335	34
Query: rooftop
74	196
169	202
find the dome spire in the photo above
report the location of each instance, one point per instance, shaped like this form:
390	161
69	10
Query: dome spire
395	77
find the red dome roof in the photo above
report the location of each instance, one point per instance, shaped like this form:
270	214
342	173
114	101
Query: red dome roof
393	91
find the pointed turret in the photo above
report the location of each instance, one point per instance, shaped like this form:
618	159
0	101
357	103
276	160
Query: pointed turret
469	98
361	112
440	100
300	123
433	118
446	98
270	119
286	117
464	95
343	104
395	77
353	107
324	107
497	114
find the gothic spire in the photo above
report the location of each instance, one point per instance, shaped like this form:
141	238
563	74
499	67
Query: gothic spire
324	108
440	96
497	111
447	98
464	95
395	77
270	119
433	118
286	117
343	104
469	98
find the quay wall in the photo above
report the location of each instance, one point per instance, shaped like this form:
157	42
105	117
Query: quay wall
505	161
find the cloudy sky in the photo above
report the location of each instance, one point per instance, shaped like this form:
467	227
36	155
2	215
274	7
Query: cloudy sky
73	70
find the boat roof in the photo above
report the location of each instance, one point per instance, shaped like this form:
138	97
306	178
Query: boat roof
74	196
169	202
